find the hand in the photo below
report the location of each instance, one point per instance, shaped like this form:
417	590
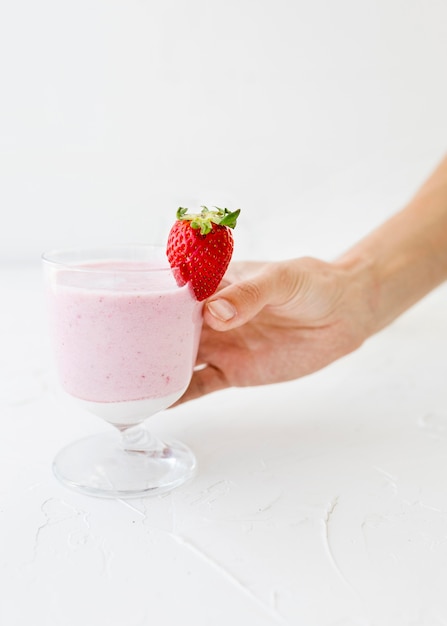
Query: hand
273	322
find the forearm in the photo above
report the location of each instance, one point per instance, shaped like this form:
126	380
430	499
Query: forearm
406	257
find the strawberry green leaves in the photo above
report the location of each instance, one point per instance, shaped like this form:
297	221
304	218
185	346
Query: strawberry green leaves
207	217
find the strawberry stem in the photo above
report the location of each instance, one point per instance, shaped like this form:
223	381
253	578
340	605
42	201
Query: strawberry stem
207	217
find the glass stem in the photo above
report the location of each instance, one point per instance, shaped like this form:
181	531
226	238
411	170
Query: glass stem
136	438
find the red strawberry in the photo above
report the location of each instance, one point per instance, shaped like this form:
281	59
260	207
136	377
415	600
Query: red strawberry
200	247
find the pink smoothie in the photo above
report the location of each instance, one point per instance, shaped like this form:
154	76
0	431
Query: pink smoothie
124	337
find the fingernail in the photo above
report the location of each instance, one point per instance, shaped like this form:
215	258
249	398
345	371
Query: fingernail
222	310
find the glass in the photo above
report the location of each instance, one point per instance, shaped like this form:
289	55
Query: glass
125	339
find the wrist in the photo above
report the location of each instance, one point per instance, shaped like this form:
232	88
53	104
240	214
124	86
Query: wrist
395	267
361	277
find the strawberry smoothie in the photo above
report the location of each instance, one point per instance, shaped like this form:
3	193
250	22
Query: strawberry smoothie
123	333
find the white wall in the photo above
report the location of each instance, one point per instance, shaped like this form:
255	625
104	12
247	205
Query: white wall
318	118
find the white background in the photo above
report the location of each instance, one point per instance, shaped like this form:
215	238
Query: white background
317	118
319	502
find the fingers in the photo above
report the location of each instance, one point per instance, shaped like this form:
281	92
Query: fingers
203	381
238	303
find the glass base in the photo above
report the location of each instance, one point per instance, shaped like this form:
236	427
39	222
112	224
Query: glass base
106	466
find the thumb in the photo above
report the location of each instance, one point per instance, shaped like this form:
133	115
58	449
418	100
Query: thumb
238	303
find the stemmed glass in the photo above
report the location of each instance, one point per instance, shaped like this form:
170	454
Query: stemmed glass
125	337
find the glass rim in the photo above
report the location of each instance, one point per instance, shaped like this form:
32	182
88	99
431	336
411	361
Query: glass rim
51	258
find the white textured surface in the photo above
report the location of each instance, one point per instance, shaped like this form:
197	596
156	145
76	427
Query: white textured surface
321	502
